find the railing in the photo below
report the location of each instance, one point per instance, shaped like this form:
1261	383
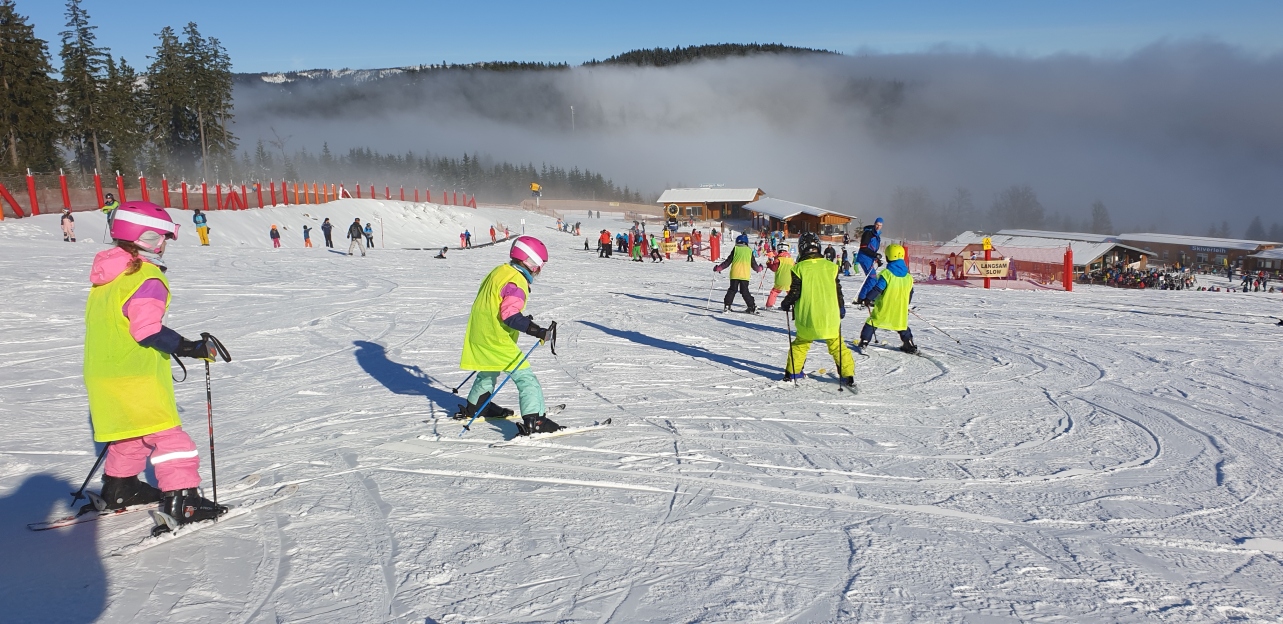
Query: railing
80	192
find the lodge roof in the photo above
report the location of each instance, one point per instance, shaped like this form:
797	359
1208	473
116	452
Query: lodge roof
784	210
704	195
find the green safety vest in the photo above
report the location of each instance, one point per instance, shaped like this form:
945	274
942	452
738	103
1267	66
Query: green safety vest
892	308
784	273
816	315
131	390
488	344
741	262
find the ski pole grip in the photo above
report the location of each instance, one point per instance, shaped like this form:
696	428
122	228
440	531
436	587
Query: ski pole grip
218	346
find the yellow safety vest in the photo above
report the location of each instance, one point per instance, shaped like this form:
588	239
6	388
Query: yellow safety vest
488	344
784	273
892	308
741	262
131	390
816	315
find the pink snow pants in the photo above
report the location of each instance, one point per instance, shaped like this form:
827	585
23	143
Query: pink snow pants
770	299
173	455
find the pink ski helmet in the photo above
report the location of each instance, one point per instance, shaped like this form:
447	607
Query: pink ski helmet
133	221
529	252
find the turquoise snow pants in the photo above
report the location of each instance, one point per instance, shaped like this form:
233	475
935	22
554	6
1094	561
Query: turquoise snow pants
528	389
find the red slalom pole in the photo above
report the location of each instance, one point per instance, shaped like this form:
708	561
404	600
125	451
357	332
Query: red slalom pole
142	187
31	190
245	199
98	188
204	196
258	188
120	187
17	210
164	189
66	195
218	188
184	194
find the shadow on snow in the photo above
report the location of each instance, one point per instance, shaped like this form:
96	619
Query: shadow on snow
753	368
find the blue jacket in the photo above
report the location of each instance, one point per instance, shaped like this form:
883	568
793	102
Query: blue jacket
199	219
898	269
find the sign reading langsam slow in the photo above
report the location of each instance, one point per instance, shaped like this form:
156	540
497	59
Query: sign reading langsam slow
985	268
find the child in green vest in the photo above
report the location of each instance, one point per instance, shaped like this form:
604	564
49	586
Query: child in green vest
889	298
127	371
815	298
490	342
741	261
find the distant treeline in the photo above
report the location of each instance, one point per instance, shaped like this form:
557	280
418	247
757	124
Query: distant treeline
663	57
493	182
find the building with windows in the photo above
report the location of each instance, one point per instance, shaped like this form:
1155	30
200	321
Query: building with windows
1196	251
1270	261
793	218
708	202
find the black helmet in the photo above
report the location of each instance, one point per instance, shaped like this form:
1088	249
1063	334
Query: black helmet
808	243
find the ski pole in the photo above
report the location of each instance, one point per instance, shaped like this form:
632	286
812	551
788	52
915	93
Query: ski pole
711	284
220	350
934	327
495	392
788	324
79	494
455	390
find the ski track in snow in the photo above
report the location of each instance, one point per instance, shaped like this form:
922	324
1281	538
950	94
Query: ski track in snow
1100	455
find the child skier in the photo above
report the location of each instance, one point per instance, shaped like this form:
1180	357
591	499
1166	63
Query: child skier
490	342
867	256
127	370
815	297
890	295
741	260
782	264
275	235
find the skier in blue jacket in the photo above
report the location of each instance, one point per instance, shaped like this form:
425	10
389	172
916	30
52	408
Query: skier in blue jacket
867	256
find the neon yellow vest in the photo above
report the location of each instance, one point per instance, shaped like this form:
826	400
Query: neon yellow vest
784	273
488	344
131	392
892	308
741	262
816	315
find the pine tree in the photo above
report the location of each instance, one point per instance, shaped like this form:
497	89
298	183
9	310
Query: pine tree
1018	207
209	71
1255	230
1100	221
123	126
83	79
28	96
172	124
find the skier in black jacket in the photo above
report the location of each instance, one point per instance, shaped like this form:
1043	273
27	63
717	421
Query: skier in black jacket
326	228
357	234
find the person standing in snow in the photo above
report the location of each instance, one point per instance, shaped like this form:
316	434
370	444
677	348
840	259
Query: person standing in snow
357	235
463	240
275	235
109	203
782	264
493	239
307	236
890	296
603	244
467	238
327	229
829	254
868	255
202	230
741	261
127	370
68	226
815	298
369	236
490	341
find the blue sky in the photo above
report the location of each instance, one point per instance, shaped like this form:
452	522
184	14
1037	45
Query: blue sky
277	35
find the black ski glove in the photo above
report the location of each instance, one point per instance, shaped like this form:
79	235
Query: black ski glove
541	332
201	349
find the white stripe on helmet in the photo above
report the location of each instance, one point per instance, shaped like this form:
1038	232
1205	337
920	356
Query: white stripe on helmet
530	253
146	221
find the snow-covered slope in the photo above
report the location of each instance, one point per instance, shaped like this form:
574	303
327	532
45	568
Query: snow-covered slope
1100	455
397	224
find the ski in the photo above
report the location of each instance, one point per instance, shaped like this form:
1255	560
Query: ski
176	531
564	431
88	514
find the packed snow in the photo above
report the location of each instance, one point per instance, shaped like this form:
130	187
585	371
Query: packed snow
1100	455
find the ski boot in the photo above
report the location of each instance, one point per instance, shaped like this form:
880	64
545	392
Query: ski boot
849	381
909	347
492	410
726	308
859	348
534	423
185	507
793	376
751	310
122	492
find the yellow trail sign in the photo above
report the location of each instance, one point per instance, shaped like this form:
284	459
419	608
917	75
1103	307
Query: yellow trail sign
985	268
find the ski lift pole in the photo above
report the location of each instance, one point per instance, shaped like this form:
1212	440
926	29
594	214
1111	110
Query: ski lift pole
495	392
